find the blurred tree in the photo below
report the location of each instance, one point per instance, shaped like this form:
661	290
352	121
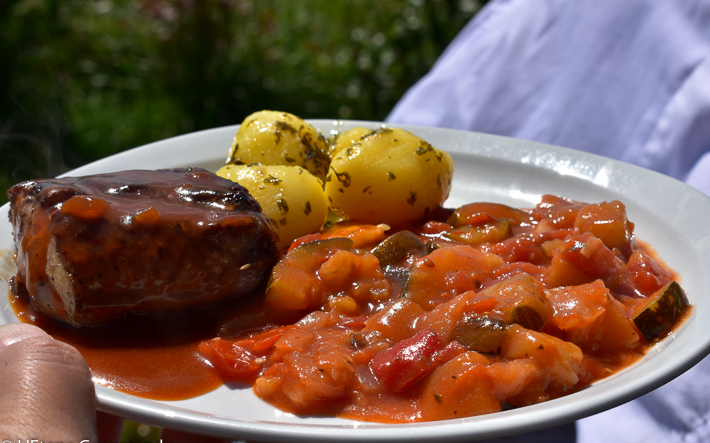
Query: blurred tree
83	80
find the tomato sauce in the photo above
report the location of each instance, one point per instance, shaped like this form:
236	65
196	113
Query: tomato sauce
141	356
477	310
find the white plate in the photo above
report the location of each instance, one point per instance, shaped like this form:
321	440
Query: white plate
671	216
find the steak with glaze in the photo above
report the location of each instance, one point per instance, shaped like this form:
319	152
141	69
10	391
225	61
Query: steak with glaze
90	249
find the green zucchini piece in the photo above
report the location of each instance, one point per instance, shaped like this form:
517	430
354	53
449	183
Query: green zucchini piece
323	246
492	232
474	213
481	334
527	317
395	247
432	246
666	307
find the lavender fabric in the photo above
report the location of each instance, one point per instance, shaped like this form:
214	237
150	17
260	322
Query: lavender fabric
626	79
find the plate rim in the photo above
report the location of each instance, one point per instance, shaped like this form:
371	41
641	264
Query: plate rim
498	424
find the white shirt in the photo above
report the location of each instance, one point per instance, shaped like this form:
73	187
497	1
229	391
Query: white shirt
627	79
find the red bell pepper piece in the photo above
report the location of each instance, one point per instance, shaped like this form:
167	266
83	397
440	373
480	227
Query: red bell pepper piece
401	366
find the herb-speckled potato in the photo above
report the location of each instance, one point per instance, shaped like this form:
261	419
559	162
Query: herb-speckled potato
348	138
290	196
388	176
280	138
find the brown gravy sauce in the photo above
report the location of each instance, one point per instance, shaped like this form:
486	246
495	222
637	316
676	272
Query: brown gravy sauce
140	356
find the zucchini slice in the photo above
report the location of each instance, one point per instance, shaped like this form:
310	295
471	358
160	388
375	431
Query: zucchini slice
395	247
481	334
492	232
665	307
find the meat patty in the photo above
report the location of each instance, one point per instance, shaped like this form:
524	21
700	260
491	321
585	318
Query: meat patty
91	249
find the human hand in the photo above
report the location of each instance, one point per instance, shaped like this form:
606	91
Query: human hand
46	392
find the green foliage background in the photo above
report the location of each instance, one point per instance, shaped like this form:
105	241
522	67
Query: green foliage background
85	79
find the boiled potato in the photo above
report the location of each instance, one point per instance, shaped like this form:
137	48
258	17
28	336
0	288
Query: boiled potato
280	138
290	196
388	176
348	138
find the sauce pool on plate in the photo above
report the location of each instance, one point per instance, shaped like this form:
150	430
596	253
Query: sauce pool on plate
140	356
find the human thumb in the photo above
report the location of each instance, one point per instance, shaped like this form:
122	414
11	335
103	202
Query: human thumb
46	392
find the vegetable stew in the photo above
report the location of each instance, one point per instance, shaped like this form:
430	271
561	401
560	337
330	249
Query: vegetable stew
491	309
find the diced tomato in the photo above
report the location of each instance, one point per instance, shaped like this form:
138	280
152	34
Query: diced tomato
393	322
294	283
402	365
446	272
557	211
434	228
357	276
591	318
519	249
240	360
262	343
353	322
232	361
583	259
642	276
460	388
